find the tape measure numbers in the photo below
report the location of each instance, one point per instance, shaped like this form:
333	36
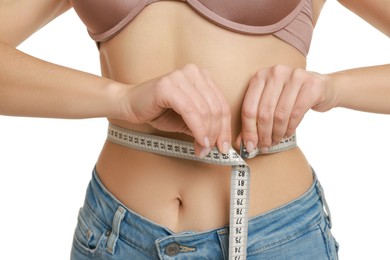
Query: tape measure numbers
240	174
239	202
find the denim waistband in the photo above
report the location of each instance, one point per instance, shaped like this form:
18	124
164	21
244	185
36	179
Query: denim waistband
121	222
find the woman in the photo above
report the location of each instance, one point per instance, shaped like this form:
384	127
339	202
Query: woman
234	73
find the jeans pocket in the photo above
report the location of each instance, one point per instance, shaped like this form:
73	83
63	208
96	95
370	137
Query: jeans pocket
89	235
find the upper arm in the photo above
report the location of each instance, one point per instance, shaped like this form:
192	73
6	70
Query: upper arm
21	18
376	12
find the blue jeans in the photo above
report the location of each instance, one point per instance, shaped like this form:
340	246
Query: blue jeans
107	230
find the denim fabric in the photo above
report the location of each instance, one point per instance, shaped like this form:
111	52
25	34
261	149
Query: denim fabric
107	230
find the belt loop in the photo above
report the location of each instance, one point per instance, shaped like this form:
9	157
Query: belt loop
322	196
116	223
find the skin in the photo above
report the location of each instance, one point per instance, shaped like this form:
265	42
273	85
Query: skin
212	96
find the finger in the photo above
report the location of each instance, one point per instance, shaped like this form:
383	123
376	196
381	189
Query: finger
283	109
224	139
224	136
215	108
302	104
250	109
200	150
268	102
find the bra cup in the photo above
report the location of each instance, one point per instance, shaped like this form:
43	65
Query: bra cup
253	13
101	15
299	32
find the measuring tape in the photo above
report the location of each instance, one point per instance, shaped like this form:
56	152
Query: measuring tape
240	174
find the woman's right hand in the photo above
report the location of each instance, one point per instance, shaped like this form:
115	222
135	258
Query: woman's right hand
186	100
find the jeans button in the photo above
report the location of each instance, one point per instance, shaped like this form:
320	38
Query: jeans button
172	249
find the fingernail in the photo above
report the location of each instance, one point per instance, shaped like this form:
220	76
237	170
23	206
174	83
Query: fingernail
249	146
204	152
206	142
264	149
225	147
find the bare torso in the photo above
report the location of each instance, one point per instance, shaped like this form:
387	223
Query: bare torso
180	194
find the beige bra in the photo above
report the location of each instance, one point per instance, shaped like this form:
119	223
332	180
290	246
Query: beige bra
289	20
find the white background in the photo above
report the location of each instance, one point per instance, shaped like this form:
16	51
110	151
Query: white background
45	164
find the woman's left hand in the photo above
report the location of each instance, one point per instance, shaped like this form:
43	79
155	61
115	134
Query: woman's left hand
276	101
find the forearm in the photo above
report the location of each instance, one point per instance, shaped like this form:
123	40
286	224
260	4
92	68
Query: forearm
365	89
32	87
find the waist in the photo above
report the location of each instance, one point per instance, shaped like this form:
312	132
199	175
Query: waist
177	193
102	207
